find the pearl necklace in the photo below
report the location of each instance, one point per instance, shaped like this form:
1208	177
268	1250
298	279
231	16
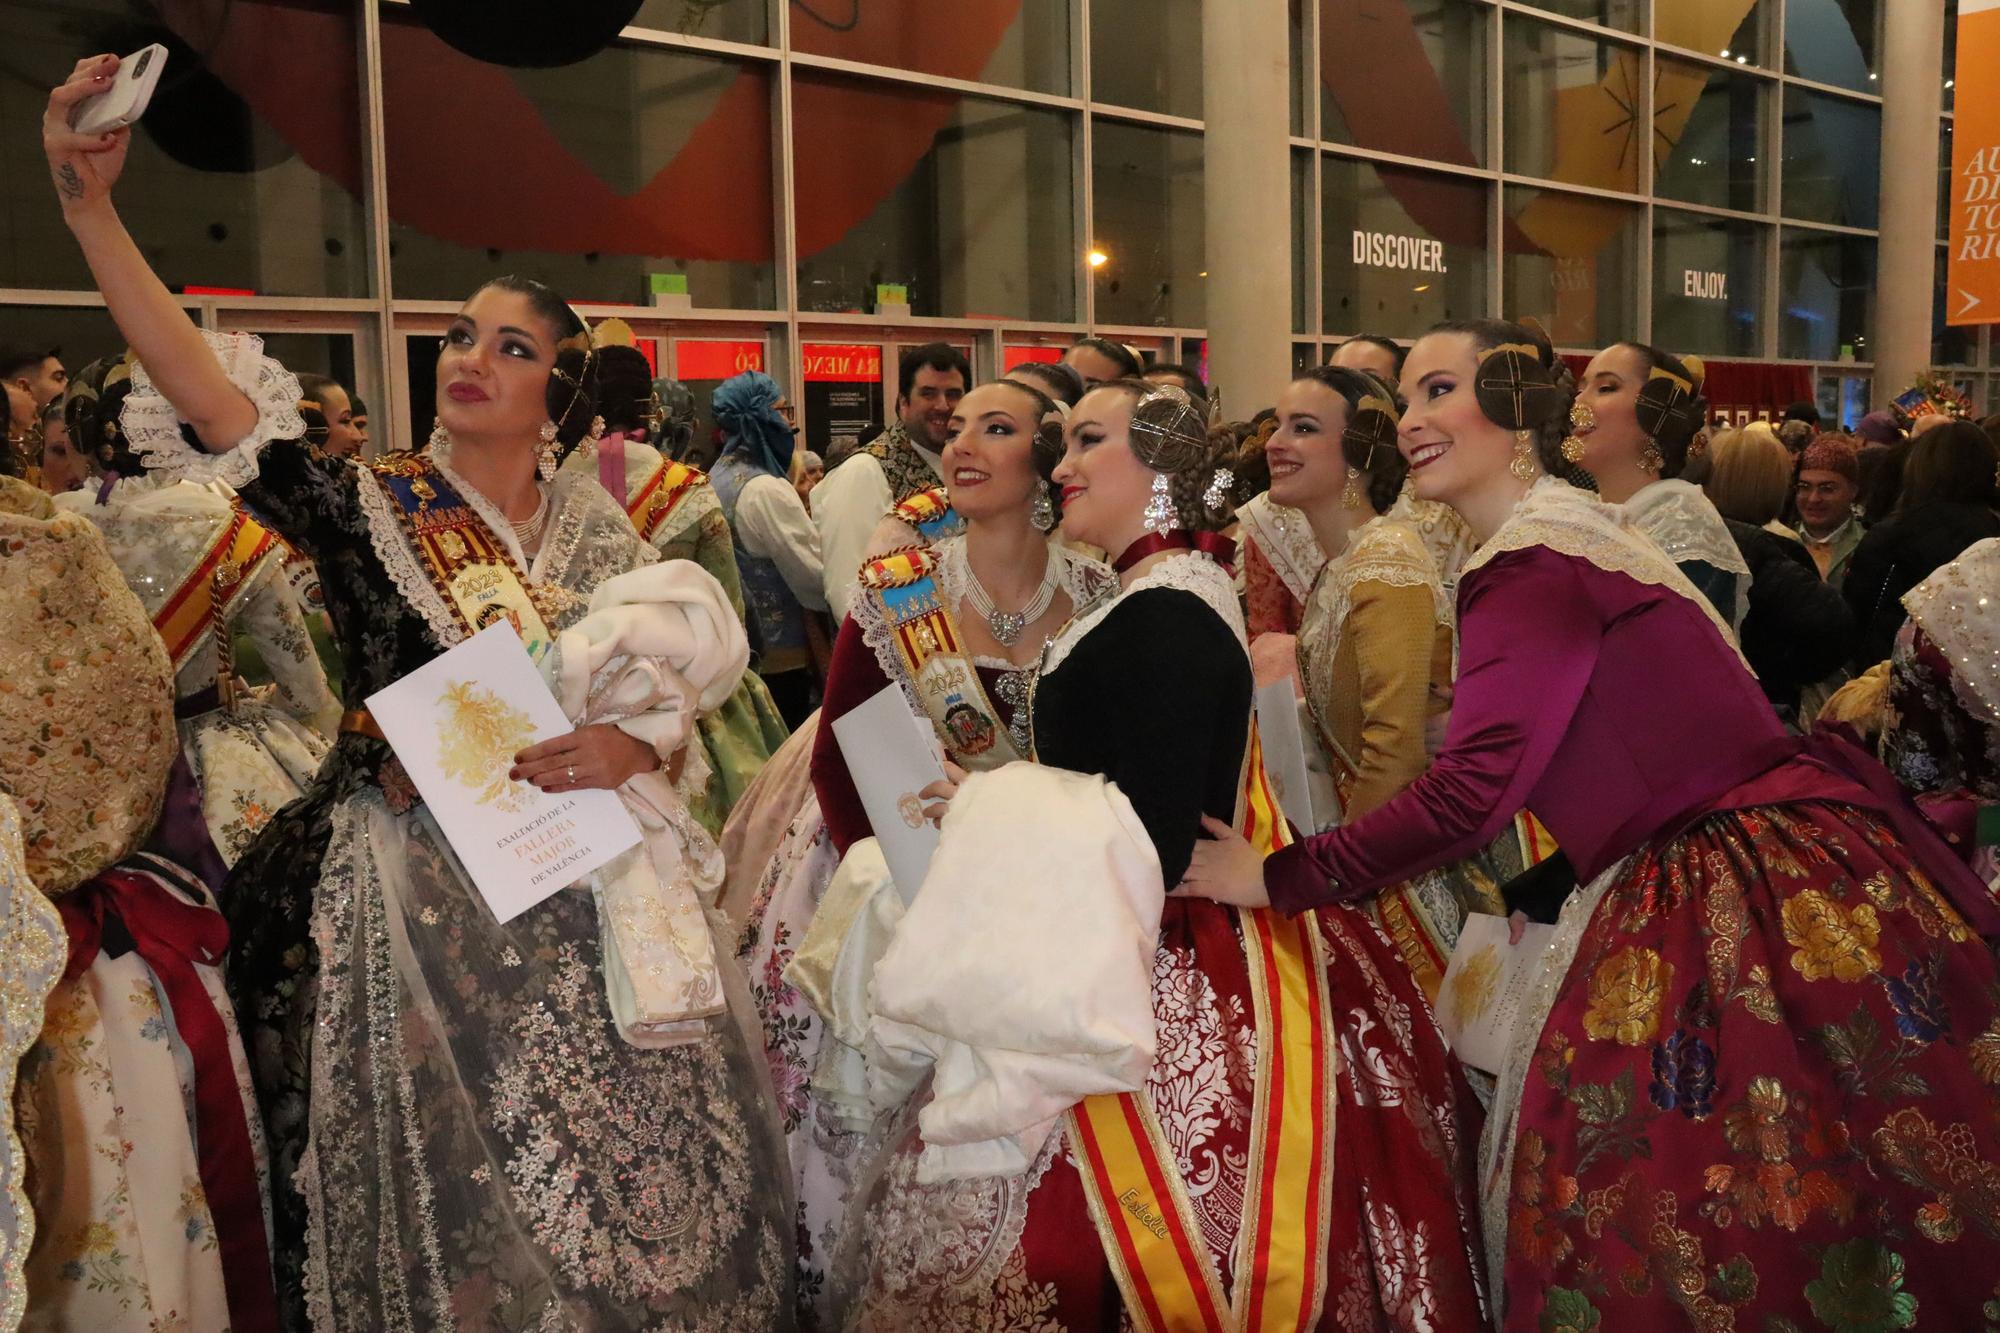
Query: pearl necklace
528	531
1006	626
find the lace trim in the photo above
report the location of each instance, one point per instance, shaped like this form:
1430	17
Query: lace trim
1444	533
406	568
1193	571
1575	523
153	427
698	503
1959	608
1496	1143
36	948
1086	581
1683	523
1286	540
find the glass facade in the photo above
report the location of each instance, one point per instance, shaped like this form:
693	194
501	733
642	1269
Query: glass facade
1004	174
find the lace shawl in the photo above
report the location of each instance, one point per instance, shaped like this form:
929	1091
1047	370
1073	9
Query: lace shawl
1683	523
1576	523
1287	542
1958	607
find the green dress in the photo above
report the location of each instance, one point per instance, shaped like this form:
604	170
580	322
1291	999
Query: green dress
675	509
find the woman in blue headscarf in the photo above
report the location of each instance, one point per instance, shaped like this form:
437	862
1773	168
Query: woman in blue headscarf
777	549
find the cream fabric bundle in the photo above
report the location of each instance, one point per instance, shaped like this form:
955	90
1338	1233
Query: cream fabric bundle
1021	977
659	645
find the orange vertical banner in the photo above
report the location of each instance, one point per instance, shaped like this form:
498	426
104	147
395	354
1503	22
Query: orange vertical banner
1972	293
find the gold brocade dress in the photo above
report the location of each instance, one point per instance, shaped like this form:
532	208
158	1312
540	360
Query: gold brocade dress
1375	657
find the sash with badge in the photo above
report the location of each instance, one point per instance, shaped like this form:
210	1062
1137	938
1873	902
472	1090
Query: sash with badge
932	658
480	580
657	497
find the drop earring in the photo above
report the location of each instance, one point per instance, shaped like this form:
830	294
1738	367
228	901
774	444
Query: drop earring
545	457
439	436
1160	515
1652	460
1581	417
1350	494
1042	513
1522	465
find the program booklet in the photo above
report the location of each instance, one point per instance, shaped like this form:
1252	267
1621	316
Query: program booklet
456	724
893	754
1480	999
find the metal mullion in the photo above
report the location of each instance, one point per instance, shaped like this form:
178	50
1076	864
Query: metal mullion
1084	156
1642	312
1315	278
1581	26
375	172
1403	160
85	300
784	206
1112	111
919	79
1832	228
1496	138
1830	89
1572	187
658	38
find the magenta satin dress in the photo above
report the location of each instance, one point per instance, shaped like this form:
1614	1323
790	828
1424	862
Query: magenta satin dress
1766	1089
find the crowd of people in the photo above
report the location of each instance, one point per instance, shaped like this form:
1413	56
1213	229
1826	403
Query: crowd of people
1709	714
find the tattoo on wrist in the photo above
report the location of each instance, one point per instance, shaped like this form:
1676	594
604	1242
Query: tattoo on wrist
68	181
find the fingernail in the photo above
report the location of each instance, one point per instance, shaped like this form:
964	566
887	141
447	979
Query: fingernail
513	775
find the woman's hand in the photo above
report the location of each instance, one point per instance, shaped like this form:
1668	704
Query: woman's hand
1437	724
1517	922
1227	869
83	166
599	756
939	794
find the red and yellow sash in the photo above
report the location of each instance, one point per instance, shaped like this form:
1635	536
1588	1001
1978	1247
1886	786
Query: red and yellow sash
1537	843
658	495
204	594
1137	1198
475	572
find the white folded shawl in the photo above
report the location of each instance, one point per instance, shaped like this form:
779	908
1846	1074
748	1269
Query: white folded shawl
659	645
1021	977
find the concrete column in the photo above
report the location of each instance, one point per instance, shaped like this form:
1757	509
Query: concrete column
1246	103
1905	260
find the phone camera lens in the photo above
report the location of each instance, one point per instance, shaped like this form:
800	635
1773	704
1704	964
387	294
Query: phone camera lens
145	59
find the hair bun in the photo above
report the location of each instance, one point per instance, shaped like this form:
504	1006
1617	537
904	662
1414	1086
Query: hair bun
1169	433
1697	371
1515	387
1669	407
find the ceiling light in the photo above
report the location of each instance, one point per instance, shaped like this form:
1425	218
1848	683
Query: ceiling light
1873	76
1097	259
1426	287
1725	53
1743	60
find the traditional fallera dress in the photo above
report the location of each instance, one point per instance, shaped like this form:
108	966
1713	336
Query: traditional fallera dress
139	1152
207	573
1943	738
1755	1086
1684	523
676	510
1280	560
901	629
1375	655
1346	1201
464	1128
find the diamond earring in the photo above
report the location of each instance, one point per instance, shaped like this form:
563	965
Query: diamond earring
1160	515
1042	513
545	457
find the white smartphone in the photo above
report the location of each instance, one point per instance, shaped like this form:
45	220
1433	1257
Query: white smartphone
125	100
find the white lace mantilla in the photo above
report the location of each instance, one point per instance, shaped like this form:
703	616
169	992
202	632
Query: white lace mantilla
153	428
1085	581
1286	540
1958	607
589	539
1576	523
1189	571
1682	522
1496	1143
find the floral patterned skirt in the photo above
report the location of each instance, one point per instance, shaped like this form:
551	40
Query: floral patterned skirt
1021	1253
1767	1095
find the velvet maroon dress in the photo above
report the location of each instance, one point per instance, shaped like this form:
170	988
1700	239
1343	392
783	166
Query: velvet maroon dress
1764	1092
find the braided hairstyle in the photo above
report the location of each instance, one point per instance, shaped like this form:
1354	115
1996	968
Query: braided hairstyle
1671	407
1169	434
1368	444
91	409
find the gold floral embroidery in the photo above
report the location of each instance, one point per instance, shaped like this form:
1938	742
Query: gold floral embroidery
1986	1054
1945	1161
1627	992
1831	940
